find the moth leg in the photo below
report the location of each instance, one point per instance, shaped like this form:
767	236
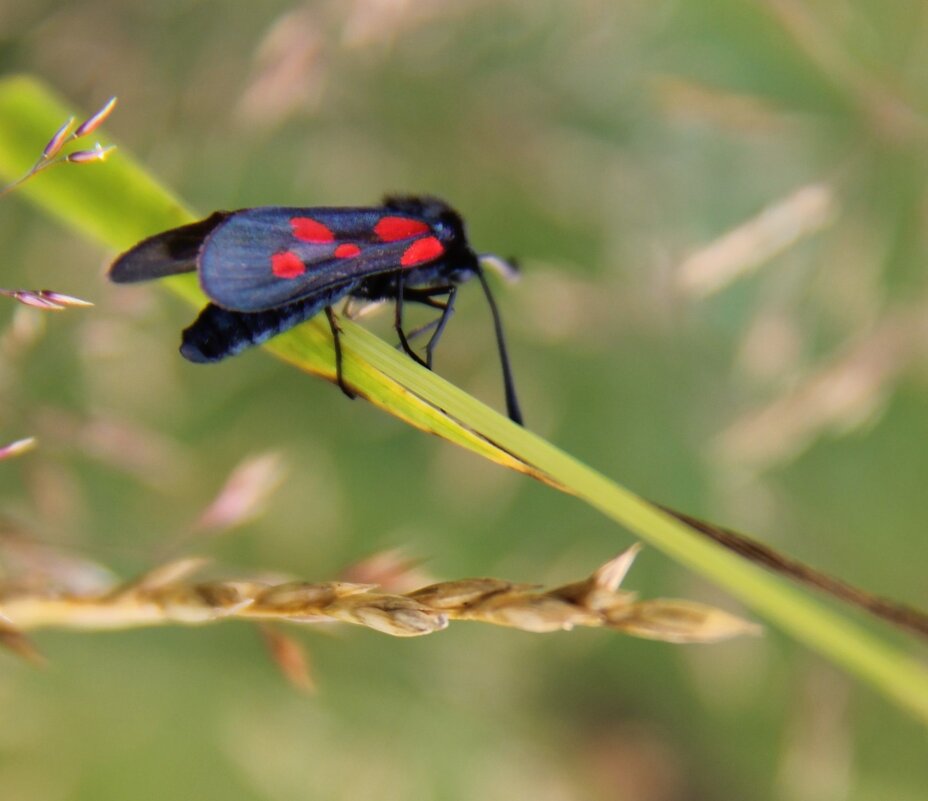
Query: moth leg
422	329
427	298
440	328
337	342
425	295
447	309
398	322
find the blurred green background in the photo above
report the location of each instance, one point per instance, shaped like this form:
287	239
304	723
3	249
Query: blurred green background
720	210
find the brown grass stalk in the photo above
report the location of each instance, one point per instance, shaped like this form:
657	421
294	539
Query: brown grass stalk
168	595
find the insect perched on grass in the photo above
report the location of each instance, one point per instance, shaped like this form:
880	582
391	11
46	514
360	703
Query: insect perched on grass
268	269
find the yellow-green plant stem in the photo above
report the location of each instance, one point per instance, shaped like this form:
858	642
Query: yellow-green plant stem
117	203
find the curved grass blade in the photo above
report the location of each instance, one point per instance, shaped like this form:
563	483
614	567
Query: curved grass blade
119	204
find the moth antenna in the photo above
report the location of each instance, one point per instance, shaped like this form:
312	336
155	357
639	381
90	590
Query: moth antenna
507	269
512	402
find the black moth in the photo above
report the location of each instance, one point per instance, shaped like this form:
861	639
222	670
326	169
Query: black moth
268	269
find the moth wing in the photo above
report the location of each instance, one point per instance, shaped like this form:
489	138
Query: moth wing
219	333
263	258
167	253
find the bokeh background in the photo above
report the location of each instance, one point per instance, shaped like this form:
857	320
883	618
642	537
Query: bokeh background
720	209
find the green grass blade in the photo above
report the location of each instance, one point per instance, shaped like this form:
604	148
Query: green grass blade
118	203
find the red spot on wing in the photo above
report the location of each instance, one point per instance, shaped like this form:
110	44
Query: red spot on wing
309	230
287	265
390	229
347	251
422	250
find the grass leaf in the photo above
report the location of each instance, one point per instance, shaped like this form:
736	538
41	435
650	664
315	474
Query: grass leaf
117	203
